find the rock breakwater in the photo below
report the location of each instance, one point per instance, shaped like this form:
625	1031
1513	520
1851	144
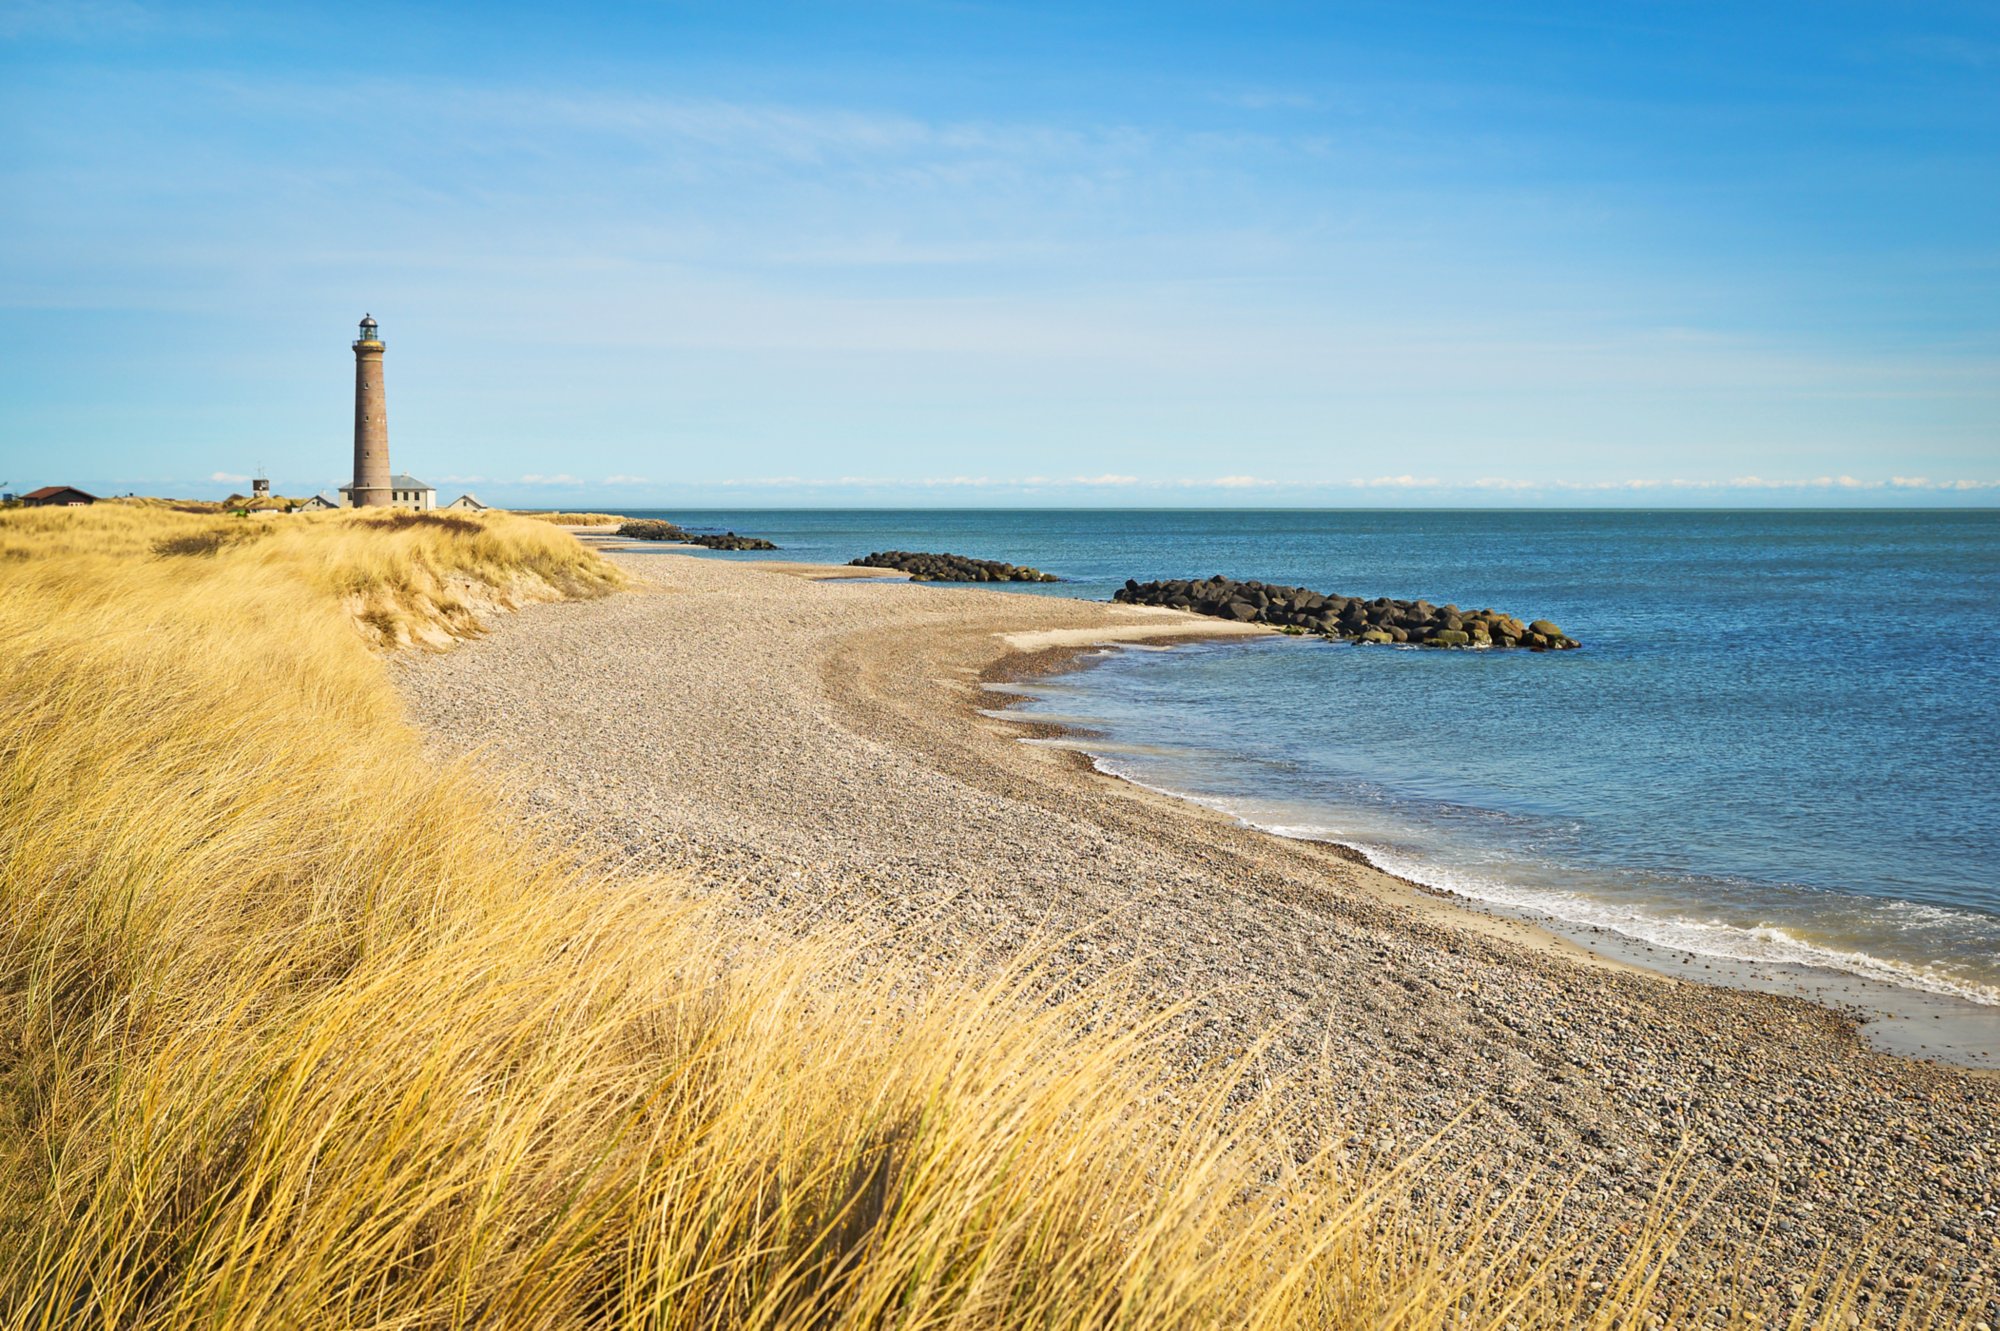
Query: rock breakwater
729	541
657	529
1348	618
950	568
651	529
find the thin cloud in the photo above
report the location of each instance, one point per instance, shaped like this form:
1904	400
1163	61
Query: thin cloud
1270	99
1397	483
1501	484
1953	51
560	478
227	477
74	20
1843	482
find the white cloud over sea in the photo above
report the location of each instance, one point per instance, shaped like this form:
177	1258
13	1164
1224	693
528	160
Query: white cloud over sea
1406	482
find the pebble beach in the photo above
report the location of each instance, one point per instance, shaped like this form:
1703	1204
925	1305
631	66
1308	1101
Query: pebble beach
825	748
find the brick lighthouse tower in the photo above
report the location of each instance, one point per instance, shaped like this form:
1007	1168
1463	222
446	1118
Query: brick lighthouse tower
371	421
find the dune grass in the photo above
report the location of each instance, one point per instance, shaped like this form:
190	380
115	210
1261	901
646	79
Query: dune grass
575	519
298	1028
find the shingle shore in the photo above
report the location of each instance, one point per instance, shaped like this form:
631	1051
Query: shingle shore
815	748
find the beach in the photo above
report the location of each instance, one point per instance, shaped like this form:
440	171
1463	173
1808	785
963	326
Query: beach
820	749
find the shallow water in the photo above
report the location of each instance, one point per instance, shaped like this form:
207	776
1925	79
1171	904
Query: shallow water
1780	743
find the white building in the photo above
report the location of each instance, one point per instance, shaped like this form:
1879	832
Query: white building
404	492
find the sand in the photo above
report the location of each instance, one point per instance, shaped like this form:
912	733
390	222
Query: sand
821	751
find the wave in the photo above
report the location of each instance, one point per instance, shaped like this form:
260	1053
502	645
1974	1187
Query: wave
1761	944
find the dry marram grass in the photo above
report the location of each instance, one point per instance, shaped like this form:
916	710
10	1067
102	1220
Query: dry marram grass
575	519
296	1029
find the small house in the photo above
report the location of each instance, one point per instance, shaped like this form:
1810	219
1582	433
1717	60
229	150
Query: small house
58	496
319	503
468	503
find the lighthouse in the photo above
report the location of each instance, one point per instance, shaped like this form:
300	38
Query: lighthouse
372	487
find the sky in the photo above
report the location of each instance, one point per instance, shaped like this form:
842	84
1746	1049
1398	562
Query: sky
948	254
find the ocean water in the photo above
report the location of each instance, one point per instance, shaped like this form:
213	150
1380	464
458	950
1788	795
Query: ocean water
1780	742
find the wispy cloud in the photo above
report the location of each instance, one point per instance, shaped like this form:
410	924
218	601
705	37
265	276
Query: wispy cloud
1963	51
75	20
1405	482
227	477
1501	484
842	284
1743	483
1270	99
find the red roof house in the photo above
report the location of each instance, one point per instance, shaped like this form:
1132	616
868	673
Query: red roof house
57	496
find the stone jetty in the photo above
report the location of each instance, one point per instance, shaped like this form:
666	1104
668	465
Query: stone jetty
950	568
656	529
729	540
1349	618
651	529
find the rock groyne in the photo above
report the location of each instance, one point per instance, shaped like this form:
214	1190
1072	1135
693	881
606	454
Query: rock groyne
658	529
651	529
729	541
950	568
1348	618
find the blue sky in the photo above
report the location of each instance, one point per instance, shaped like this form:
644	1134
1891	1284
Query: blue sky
966	253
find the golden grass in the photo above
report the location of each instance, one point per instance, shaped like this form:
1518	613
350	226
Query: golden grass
575	519
213	506
300	1029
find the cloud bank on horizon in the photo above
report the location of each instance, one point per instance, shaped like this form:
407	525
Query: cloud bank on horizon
1012	254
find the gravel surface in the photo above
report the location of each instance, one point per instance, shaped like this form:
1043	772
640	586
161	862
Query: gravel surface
816	748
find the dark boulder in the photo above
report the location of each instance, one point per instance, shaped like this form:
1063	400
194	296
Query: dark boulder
730	541
651	529
656	529
1346	618
924	567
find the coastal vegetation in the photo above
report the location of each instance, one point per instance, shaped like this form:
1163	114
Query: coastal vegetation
924	567
301	1027
1382	620
562	519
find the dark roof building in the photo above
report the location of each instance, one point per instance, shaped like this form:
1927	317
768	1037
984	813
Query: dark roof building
58	496
400	491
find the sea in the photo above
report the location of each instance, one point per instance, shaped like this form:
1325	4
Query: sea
1778	747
